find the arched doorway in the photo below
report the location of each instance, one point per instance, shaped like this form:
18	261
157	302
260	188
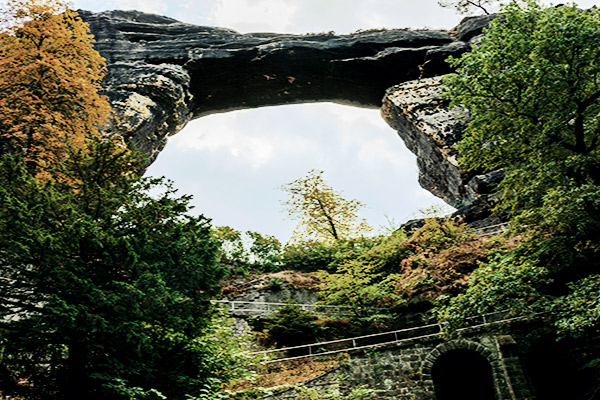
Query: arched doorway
463	374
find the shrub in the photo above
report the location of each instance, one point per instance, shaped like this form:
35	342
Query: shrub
291	326
440	233
389	252
307	256
315	256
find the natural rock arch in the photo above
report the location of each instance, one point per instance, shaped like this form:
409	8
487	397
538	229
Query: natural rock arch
162	73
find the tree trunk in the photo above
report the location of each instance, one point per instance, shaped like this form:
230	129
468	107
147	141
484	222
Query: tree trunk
77	382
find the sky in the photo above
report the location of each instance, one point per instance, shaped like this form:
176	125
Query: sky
235	163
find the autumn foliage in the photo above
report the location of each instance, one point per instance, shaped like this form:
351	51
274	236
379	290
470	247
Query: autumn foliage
49	80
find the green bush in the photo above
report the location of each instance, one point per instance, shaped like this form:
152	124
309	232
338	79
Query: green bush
316	256
389	252
307	256
441	233
356	284
291	326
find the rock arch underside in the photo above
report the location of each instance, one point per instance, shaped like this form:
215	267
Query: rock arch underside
162	73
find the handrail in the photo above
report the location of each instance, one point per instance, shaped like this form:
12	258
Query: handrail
395	333
279	304
374	334
491	226
351	349
484	230
342	340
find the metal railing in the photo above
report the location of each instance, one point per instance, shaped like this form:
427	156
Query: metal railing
382	339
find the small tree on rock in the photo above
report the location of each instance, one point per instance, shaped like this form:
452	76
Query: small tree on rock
468	7
323	213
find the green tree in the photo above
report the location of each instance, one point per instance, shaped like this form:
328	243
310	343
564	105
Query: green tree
360	285
49	81
265	251
308	255
291	326
532	90
104	290
233	251
247	251
323	213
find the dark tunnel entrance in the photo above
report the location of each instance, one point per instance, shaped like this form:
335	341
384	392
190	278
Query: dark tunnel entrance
557	372
463	374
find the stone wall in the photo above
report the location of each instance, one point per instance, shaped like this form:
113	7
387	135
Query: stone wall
404	371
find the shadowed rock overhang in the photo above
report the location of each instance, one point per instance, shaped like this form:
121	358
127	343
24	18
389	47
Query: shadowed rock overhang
162	73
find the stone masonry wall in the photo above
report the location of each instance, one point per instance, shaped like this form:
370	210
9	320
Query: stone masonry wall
403	371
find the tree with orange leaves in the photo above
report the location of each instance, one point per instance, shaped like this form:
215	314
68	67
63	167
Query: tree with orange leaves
49	81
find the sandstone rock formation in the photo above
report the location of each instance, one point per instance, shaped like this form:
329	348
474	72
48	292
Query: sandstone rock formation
162	73
430	130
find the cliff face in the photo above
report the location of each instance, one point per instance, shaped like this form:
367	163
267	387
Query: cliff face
163	73
430	130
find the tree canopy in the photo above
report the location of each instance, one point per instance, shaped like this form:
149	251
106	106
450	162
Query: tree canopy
247	251
49	81
104	290
532	90
323	213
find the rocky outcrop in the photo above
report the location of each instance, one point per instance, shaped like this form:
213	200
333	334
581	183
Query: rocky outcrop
430	129
162	73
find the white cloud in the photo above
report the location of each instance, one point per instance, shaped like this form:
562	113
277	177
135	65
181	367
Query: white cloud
252	137
298	16
253	15
341	16
232	163
193	12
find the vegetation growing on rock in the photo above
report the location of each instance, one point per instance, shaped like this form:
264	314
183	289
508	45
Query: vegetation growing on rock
533	94
532	90
470	6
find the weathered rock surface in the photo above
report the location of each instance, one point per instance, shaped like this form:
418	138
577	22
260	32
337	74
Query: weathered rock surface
162	73
430	130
